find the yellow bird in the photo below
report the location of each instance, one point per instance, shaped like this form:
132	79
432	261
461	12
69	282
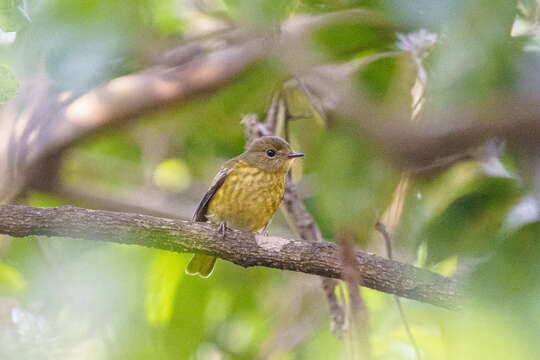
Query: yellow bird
245	193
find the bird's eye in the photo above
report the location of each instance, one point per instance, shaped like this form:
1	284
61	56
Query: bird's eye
270	153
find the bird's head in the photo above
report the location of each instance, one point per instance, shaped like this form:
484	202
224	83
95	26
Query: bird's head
271	154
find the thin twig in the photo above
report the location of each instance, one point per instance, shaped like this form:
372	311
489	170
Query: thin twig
381	228
301	220
272	113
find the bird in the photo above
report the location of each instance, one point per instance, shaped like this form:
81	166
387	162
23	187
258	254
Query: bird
245	193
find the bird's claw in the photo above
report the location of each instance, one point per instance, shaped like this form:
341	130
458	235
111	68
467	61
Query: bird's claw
222	229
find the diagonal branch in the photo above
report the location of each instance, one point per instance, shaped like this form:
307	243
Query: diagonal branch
50	125
50	122
133	95
245	249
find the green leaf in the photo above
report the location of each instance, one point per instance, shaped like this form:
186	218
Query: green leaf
446	267
482	332
378	76
10	278
11	17
167	16
259	12
165	273
509	283
489	64
515	267
471	223
8	84
355	184
345	40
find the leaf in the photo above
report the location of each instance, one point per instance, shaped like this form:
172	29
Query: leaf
485	333
509	281
354	184
10	278
167	16
8	84
515	267
471	223
488	65
260	12
165	273
446	267
378	76
12	18
344	40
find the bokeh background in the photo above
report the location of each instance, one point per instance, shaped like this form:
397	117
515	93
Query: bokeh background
473	216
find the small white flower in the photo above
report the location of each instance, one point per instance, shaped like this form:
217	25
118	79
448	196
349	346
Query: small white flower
417	43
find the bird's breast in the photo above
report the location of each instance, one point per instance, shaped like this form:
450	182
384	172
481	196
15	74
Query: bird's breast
248	198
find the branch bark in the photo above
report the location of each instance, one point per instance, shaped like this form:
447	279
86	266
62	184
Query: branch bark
245	249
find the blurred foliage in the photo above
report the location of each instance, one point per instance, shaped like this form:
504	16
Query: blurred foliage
12	15
10	279
259	12
488	64
320	6
345	40
164	275
509	282
67	298
172	175
167	16
378	76
470	223
8	84
356	191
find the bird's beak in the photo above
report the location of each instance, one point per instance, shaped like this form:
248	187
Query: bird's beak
294	154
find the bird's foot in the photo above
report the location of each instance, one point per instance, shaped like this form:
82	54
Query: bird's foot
264	230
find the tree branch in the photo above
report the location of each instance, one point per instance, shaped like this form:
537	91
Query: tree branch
245	249
52	122
448	136
49	124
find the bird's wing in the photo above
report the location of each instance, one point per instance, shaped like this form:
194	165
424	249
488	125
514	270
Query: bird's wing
219	179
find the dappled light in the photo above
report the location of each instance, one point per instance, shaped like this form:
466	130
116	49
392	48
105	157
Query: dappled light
409	228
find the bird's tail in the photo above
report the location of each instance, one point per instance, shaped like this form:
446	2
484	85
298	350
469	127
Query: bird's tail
201	265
